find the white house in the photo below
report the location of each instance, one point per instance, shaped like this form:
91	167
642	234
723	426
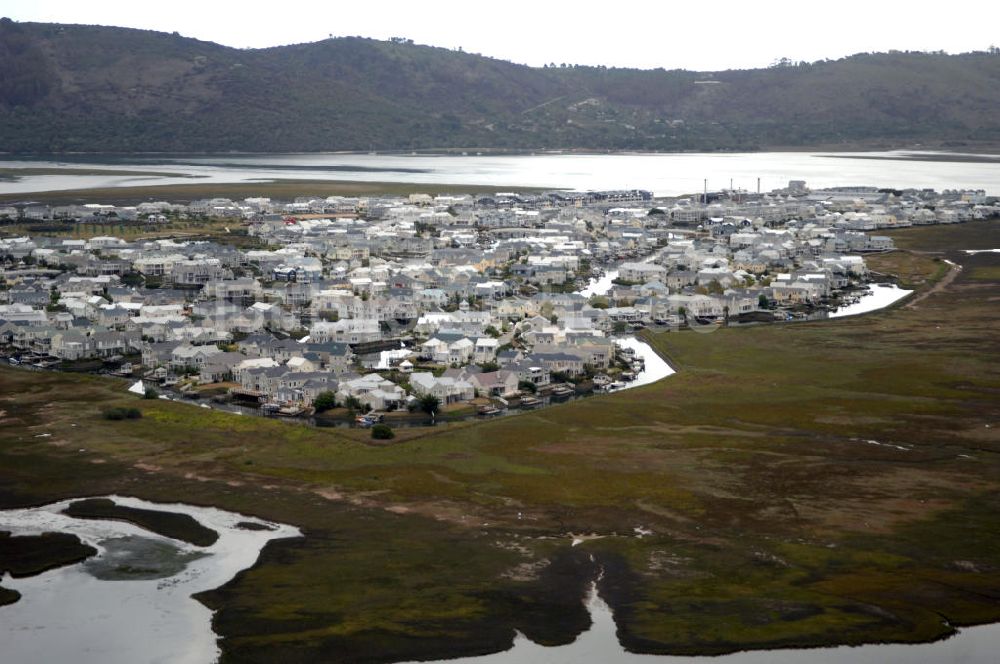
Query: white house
448	390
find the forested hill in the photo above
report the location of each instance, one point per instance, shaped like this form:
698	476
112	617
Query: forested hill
88	88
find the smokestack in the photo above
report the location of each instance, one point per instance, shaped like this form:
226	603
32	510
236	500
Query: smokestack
705	197
758	186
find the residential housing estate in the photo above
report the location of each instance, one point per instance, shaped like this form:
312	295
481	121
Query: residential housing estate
473	296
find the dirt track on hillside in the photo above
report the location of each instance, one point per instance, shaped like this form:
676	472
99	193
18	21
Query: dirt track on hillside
940	286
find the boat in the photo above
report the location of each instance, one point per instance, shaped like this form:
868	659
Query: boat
369	420
562	391
488	411
601	380
124	370
530	402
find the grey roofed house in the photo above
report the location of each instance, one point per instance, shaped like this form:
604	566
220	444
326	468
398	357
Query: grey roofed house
31	295
267	345
220	366
402	282
33	317
528	370
508	356
335	356
559	361
462	373
8	331
399	292
456	256
450	337
124	294
495	383
254	344
186	355
265	379
156	354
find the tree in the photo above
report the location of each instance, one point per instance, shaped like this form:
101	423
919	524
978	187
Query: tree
382	432
527	386
492	331
429	404
150	393
325	401
352	403
762	301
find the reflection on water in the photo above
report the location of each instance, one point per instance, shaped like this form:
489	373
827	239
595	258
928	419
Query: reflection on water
877	297
599	285
132	557
663	174
654	367
599	645
144	612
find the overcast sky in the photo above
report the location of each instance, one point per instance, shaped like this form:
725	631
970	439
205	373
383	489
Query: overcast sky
706	35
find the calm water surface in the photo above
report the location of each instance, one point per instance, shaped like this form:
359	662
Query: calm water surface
69	614
664	174
599	645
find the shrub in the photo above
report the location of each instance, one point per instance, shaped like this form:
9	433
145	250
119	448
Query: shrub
122	414
325	401
150	393
382	432
429	404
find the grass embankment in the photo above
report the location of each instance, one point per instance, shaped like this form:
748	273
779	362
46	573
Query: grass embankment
182	527
911	270
8	596
31	555
805	484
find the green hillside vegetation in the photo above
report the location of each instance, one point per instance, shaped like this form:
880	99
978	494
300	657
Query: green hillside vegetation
92	88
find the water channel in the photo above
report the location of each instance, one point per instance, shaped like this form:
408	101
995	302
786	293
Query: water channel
663	174
68	614
599	645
